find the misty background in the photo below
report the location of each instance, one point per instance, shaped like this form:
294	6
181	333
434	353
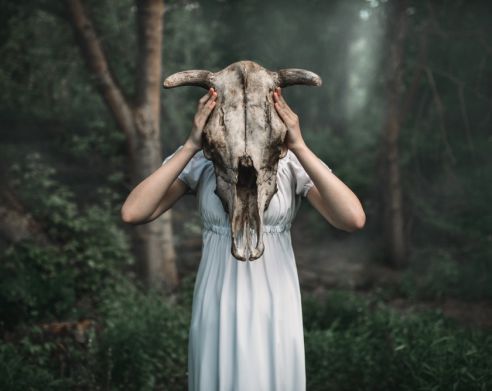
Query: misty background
403	118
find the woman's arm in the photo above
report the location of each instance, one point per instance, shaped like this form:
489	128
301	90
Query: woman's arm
160	190
329	195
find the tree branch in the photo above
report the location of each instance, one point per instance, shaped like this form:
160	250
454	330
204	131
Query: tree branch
97	63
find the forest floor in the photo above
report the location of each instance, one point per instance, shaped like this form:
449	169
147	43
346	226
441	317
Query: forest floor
346	265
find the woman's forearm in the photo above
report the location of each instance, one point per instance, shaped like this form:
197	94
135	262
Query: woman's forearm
145	197
339	201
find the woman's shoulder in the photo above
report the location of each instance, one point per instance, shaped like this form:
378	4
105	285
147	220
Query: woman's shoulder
198	157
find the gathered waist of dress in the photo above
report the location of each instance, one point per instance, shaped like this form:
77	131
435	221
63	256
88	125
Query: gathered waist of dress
226	230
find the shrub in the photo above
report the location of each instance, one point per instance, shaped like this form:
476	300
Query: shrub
371	347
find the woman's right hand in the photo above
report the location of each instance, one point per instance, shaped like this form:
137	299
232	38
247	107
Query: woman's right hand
206	105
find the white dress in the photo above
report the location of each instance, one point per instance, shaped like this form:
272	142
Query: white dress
246	330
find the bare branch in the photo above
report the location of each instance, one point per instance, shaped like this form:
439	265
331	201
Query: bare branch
96	61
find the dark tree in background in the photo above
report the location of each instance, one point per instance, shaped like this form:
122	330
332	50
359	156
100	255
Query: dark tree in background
392	192
139	120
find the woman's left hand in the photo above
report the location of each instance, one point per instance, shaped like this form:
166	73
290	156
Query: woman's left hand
293	139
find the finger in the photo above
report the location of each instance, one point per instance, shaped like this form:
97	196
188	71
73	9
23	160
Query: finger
210	105
211	102
205	97
277	92
276	97
283	105
286	114
281	98
212	97
281	111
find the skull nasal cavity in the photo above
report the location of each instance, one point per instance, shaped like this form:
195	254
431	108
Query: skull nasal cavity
246	173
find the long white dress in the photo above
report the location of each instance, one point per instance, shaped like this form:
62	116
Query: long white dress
246	330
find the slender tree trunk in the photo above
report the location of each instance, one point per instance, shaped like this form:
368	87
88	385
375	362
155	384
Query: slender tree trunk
393	209
139	121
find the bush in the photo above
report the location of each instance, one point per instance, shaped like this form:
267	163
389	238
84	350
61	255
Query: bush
144	342
85	251
439	273
370	347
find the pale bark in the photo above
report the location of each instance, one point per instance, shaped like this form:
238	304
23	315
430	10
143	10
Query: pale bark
139	121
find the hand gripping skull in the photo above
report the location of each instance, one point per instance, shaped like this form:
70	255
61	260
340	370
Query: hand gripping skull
243	137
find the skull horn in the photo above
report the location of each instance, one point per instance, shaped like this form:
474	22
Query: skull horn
199	78
292	76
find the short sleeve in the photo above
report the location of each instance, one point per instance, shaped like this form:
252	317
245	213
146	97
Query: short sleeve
303	181
192	172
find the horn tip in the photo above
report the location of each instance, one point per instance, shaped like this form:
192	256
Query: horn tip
167	83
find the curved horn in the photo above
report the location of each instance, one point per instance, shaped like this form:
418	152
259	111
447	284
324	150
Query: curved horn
198	77
292	76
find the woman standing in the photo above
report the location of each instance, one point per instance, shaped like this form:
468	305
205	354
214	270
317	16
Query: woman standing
246	329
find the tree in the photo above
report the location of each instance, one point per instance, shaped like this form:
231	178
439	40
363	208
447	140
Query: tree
393	209
139	120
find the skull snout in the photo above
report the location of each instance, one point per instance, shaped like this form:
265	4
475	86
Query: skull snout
246	222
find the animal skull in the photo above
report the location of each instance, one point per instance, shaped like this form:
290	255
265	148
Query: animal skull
243	137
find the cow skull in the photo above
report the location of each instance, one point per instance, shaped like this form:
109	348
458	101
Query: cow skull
243	137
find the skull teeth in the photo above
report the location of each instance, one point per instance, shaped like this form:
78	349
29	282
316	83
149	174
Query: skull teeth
242	246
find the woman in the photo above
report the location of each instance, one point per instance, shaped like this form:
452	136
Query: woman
246	330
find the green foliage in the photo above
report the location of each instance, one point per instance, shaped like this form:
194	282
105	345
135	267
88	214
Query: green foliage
141	345
16	373
36	362
42	75
144	342
84	252
438	273
352	344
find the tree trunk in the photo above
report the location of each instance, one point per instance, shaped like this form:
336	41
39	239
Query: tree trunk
139	121
393	210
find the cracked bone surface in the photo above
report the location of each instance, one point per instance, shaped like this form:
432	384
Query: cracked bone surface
243	137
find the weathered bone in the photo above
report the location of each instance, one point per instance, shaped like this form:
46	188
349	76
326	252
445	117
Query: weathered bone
243	137
292	76
199	78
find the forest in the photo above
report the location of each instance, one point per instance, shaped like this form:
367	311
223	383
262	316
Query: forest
403	117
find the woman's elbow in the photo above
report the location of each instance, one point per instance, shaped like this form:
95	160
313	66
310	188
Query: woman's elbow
127	215
358	222
361	221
